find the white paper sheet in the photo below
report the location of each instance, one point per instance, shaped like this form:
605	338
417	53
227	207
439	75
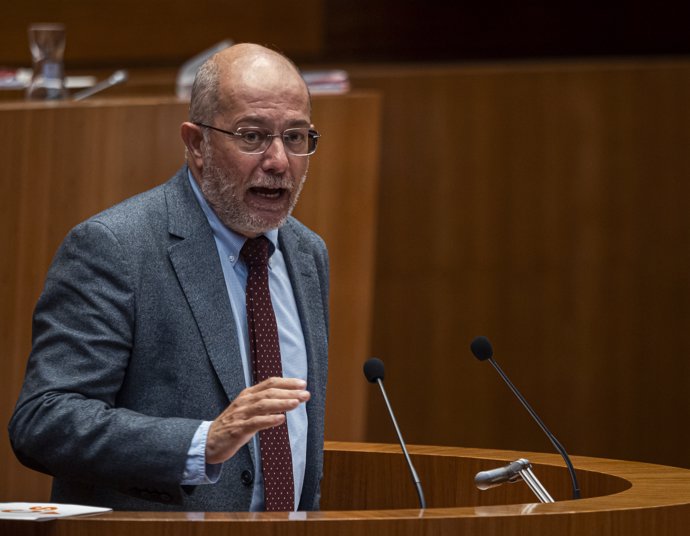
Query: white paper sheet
43	511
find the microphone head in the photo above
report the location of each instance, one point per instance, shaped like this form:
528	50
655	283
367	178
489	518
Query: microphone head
374	369
481	348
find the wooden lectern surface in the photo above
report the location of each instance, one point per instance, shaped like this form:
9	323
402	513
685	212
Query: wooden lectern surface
367	491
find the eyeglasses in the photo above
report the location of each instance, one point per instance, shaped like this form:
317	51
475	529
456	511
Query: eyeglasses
300	141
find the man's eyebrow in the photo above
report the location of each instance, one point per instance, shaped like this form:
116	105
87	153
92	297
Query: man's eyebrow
299	123
254	119
264	122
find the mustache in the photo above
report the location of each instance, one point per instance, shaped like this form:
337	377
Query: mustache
272	181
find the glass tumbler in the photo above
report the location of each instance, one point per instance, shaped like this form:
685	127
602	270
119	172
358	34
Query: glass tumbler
47	44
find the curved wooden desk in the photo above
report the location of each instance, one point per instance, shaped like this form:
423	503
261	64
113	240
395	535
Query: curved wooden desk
365	483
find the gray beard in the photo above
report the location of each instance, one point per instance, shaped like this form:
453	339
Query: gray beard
221	194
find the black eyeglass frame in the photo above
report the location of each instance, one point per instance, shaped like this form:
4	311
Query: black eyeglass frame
312	133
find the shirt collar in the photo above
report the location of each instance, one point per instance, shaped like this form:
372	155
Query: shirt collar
230	242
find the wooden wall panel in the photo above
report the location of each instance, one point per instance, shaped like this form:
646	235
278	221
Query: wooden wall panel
125	33
341	202
546	206
66	162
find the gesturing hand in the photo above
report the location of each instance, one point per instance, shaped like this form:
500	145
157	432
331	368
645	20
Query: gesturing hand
256	408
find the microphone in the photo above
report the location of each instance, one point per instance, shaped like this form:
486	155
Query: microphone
374	372
482	350
118	77
514	471
495	477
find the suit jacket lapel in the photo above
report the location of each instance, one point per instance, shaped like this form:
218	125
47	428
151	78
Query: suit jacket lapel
305	285
196	263
308	296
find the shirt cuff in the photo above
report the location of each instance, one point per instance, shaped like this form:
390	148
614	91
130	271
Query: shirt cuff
196	470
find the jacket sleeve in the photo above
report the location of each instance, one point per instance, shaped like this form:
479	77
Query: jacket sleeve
67	422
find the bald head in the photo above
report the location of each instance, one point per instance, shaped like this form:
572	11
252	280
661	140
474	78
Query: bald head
241	71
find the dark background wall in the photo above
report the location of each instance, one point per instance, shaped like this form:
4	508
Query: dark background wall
388	30
130	33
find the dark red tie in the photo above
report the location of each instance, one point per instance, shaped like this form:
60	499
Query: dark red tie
276	457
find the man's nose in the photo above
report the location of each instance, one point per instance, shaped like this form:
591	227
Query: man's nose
275	158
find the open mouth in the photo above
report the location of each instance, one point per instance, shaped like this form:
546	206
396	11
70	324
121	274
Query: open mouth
268	200
268	193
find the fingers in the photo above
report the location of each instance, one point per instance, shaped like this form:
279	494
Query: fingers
284	384
256	408
252	405
274	395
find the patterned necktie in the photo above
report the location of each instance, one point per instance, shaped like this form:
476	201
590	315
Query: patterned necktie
276	456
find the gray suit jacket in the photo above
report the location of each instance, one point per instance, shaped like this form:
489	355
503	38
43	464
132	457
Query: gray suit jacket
134	344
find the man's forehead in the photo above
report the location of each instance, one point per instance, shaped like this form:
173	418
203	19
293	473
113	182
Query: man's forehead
257	68
258	87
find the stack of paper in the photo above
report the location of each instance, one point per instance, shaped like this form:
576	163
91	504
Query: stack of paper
320	82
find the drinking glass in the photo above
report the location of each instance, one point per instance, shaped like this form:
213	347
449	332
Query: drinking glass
47	44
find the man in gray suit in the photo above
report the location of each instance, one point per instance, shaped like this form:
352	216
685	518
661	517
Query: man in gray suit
138	392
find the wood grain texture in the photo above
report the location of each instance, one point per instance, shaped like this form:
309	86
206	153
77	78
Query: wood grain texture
631	498
341	203
63	163
547	206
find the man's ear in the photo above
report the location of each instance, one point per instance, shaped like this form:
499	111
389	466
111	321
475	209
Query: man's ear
193	138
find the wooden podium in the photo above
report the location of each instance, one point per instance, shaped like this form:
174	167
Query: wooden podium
367	491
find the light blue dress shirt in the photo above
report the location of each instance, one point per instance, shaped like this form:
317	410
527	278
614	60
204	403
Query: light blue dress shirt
292	350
